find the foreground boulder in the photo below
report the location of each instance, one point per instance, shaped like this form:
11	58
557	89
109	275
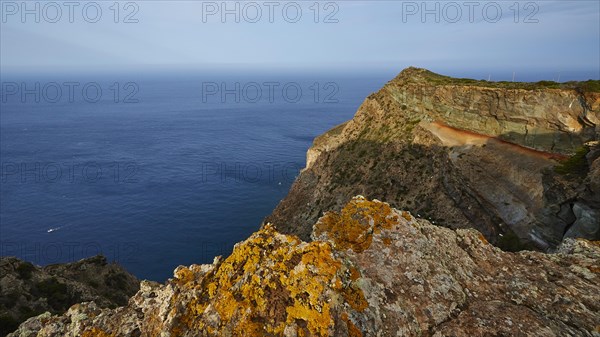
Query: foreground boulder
370	271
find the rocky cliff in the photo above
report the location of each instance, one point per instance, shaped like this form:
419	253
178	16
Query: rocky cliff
370	270
517	161
27	290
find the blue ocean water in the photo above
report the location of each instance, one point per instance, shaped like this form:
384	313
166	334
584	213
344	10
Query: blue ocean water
156	170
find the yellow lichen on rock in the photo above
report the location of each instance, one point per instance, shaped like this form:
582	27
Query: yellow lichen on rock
355	297
354	226
308	284
183	275
269	282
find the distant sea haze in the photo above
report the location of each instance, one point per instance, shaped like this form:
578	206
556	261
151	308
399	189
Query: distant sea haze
155	171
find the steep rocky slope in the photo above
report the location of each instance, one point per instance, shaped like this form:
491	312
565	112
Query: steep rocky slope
27	290
370	271
514	160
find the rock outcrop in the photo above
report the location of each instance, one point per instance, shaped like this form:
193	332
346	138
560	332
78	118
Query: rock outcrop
512	160
370	270
27	290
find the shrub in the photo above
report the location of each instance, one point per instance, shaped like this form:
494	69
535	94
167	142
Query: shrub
55	292
25	269
576	164
116	281
9	300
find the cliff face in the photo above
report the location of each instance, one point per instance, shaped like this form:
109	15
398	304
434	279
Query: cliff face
370	271
509	159
27	290
538	116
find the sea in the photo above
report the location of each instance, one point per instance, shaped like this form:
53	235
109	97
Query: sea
156	169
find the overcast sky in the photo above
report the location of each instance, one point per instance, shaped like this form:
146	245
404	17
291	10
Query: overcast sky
548	37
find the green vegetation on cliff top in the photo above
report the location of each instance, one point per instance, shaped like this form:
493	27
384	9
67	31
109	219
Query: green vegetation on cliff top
576	164
437	79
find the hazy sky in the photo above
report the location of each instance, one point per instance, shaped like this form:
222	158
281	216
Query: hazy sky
549	37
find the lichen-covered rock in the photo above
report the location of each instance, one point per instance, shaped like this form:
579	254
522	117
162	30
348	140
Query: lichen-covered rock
371	270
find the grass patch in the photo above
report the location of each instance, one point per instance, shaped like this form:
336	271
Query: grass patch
576	164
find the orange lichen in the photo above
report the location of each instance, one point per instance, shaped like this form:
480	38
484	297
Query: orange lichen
354	273
353	331
355	297
354	226
183	275
269	281
406	216
482	238
387	241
